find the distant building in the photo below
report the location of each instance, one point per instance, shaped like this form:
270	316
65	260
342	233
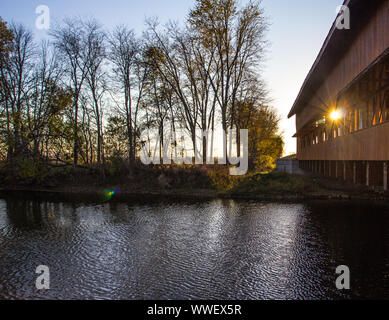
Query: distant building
288	164
342	110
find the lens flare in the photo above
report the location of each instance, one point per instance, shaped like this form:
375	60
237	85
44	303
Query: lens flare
335	115
108	194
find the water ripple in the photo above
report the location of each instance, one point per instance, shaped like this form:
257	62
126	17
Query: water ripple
212	250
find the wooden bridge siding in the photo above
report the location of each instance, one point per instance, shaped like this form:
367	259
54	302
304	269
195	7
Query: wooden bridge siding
371	42
369	144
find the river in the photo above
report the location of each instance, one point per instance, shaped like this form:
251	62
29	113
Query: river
213	249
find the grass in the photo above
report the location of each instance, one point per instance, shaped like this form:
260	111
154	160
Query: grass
273	183
184	178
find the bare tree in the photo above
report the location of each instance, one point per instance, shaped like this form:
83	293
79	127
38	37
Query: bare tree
130	74
71	41
170	56
96	76
52	101
16	77
48	98
6	43
235	39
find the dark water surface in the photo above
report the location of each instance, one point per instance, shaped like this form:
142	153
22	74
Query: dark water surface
219	249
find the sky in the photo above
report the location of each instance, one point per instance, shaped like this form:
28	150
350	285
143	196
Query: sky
297	31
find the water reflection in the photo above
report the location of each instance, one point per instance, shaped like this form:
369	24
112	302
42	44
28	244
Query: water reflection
181	250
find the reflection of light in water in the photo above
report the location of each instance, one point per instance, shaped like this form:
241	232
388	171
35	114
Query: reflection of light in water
92	218
216	214
267	237
3	217
63	217
221	216
283	224
286	257
219	249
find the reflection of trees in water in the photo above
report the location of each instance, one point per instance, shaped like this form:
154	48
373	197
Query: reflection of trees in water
24	213
32	215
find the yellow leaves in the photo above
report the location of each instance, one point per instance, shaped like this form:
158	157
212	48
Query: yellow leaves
221	178
265	144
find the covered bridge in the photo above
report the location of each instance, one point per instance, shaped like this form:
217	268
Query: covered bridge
342	109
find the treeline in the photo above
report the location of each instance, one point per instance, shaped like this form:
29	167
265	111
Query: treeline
86	95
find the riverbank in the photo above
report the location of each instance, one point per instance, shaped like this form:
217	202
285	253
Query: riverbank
181	182
103	194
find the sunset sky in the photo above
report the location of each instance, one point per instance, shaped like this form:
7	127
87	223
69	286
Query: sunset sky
297	32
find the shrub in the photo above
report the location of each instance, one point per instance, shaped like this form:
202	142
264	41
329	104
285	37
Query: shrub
276	182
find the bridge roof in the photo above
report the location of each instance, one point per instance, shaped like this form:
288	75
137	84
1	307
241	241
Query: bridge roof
335	46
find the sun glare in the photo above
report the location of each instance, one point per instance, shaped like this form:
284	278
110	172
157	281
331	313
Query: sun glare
335	115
